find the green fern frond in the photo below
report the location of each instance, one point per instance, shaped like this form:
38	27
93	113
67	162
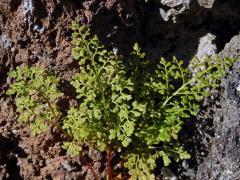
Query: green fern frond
125	107
36	94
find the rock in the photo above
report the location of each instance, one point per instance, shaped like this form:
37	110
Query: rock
167	174
232	49
173	11
206	46
38	31
206	3
174	3
5	41
223	160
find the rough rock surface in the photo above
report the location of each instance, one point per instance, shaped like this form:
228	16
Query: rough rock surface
174	8
181	39
232	49
39	31
223	160
206	46
206	3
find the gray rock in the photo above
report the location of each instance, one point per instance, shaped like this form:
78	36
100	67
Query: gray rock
206	46
173	11
206	3
231	49
28	7
167	174
223	160
5	41
174	3
67	166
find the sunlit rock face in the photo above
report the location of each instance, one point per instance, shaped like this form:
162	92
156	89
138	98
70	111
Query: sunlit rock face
206	46
206	3
223	160
232	49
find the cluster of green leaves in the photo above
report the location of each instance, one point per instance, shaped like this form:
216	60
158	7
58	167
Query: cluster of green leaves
36	94
123	106
107	113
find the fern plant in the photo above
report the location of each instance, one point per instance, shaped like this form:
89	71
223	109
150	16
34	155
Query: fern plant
125	108
36	94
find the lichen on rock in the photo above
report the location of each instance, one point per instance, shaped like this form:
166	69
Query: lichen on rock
174	8
206	46
206	3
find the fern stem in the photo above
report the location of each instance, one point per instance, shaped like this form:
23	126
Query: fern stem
56	118
51	109
187	83
109	167
175	93
97	72
90	53
166	80
93	172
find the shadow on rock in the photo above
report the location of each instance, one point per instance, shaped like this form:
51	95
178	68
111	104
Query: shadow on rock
9	151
